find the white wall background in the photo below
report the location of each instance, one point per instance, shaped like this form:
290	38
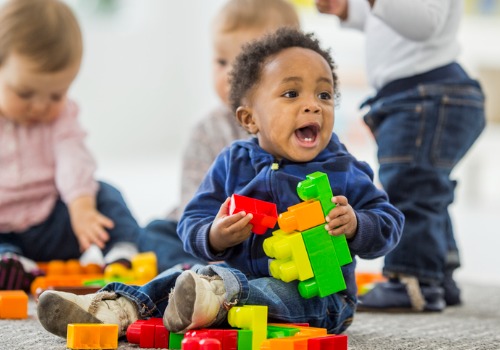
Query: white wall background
146	79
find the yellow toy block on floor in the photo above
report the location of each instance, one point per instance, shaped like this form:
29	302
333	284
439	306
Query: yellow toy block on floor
13	304
92	336
251	317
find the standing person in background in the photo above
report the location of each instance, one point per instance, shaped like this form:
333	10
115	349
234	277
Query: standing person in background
236	24
51	207
426	114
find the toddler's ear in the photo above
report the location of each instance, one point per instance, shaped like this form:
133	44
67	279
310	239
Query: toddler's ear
245	117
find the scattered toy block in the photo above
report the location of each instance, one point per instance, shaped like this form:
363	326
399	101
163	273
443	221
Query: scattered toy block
328	342
264	213
13	304
250	317
149	333
92	336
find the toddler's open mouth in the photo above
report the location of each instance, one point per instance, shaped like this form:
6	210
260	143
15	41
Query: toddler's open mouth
307	134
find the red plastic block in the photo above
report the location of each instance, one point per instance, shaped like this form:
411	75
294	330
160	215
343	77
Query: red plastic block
265	214
148	333
329	342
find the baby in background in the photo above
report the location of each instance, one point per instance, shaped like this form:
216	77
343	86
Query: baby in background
51	207
237	23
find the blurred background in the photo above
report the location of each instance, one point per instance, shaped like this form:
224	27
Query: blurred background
146	79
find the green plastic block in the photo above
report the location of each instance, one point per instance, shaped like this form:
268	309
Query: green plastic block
175	341
342	249
317	186
328	278
244	339
280	332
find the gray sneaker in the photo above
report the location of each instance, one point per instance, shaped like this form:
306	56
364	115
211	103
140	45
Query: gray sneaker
195	302
57	309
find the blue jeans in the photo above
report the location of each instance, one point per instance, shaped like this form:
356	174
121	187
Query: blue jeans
422	133
54	238
160	237
284	302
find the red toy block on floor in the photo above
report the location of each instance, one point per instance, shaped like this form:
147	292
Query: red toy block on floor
328	342
265	214
148	333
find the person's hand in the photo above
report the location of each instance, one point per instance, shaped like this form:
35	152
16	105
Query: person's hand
229	230
341	219
338	8
88	224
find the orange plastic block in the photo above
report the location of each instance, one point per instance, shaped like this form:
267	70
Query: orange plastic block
13	304
92	336
45	282
302	216
251	317
69	267
264	213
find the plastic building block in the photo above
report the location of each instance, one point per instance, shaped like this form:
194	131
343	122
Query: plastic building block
45	282
244	339
175	341
328	277
92	336
13	304
250	317
280	332
302	216
194	343
317	186
144	269
329	342
149	333
264	213
228	338
291	261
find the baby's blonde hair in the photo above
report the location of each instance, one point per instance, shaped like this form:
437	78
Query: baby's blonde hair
238	14
45	31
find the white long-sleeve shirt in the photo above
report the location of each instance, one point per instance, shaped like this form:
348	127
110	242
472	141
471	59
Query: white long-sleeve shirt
406	37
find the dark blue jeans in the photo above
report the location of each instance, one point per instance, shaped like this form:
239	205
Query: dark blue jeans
422	133
54	238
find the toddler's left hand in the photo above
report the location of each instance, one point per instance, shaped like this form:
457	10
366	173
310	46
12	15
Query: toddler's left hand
341	219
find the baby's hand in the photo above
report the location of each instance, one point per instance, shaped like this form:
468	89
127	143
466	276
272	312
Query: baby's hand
341	219
229	230
88	224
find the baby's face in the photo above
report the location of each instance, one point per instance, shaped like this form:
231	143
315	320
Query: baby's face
28	96
291	108
227	45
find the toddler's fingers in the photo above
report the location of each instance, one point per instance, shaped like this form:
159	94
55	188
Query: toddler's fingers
240	224
340	200
224	208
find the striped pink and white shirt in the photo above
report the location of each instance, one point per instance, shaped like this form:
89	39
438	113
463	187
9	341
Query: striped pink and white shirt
38	164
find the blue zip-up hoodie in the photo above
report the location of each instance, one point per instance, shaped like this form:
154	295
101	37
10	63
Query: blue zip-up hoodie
245	168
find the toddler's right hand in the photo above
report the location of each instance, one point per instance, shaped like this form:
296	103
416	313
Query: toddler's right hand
333	7
229	230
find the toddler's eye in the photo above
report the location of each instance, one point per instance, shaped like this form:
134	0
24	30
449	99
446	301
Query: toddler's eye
291	94
325	96
56	98
221	62
25	95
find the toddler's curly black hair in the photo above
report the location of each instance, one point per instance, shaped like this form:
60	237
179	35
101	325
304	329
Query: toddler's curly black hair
249	63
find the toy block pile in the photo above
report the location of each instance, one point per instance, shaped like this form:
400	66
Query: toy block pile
251	332
71	276
302	249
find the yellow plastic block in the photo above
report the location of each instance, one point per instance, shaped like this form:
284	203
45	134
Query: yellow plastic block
251	317
302	216
290	254
13	304
92	336
145	267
